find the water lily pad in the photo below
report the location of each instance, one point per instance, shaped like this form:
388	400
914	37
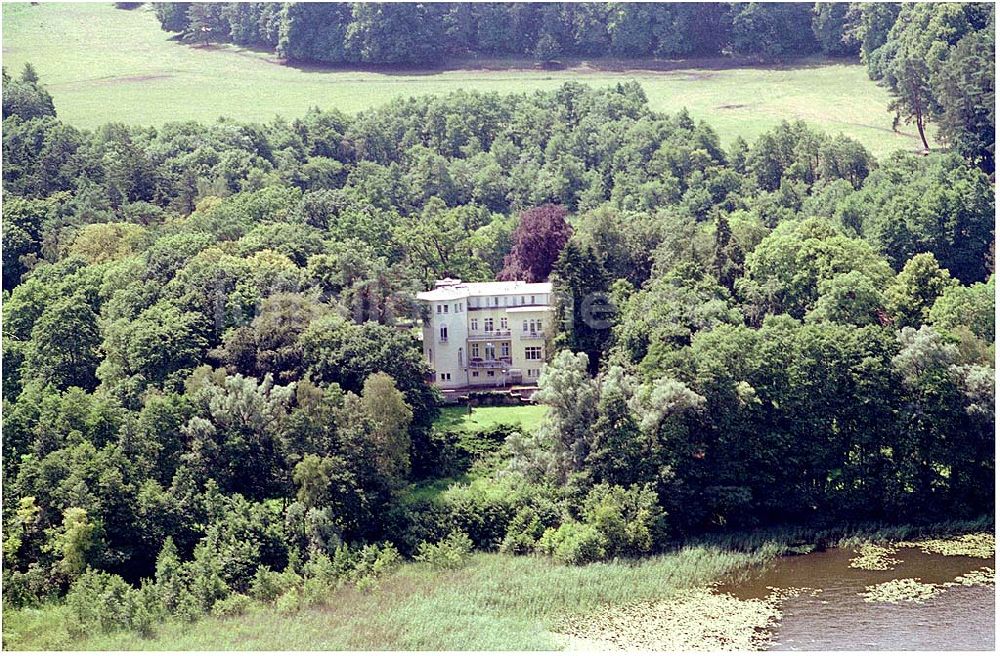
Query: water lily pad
974	545
982	577
874	557
698	619
900	590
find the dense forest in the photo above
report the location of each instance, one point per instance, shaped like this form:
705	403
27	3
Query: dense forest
212	390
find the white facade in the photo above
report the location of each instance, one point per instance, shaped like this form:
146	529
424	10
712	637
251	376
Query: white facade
486	334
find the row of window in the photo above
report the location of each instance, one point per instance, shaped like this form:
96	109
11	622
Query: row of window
490	350
528	325
443	308
509	300
457	308
487	324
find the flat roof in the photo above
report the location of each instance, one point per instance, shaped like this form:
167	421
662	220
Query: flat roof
455	291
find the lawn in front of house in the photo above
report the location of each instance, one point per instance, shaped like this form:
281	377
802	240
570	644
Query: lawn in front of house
458	418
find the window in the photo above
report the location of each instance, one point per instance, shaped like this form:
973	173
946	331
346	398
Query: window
445	376
496	300
461	359
504	350
532	300
475	350
490	373
522	300
430	356
488	324
446	308
503	323
458	307
524	325
474	324
444	333
533	353
475	374
439	309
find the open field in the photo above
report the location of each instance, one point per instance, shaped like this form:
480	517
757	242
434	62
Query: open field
104	64
458	417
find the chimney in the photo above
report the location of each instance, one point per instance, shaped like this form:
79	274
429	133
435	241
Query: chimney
447	282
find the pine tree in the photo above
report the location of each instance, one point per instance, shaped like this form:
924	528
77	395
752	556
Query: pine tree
583	311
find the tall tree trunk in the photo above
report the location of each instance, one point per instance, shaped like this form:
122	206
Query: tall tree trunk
918	115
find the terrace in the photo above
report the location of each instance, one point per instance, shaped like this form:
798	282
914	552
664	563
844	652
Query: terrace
479	363
489	334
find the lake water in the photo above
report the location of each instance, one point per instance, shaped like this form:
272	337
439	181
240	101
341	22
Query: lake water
959	618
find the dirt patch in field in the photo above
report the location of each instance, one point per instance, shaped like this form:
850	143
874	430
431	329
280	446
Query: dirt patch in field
570	65
732	106
136	78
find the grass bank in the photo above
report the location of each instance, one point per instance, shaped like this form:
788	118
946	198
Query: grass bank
495	602
105	64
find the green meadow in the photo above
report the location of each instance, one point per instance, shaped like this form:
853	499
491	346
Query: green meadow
103	64
458	418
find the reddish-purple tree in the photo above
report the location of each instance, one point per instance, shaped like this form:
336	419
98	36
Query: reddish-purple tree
539	237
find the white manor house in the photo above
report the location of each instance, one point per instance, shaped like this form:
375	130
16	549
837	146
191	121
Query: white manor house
486	334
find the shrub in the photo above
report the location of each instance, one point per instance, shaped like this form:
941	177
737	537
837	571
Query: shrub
523	532
315	591
630	520
231	606
373	562
207	583
450	553
289	602
321	569
482	516
268	585
99	601
574	543
28	588
189	607
145	608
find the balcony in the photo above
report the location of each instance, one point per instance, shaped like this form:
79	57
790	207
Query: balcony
489	334
527	336
479	363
